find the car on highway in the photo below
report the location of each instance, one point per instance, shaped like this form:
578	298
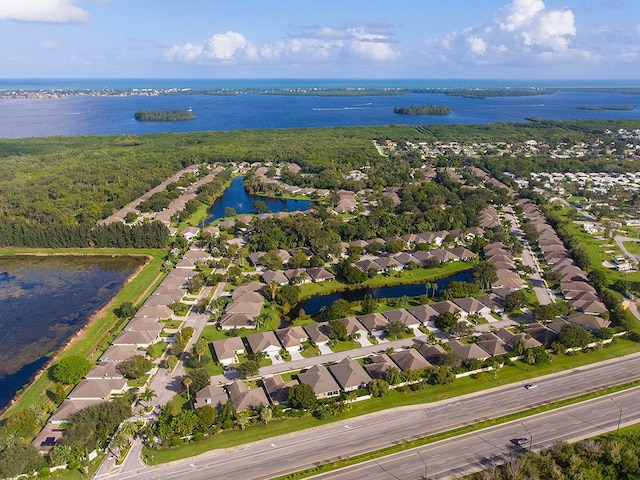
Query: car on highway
520	441
529	386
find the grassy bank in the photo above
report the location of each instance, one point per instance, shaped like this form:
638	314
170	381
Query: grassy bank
97	334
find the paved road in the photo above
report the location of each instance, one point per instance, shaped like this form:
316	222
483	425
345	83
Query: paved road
529	259
492	446
620	241
275	456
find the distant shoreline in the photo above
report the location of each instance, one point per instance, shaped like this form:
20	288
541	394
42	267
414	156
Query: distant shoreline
469	92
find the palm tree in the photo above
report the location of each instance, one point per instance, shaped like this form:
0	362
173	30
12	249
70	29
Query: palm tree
187	381
148	395
200	347
129	430
265	414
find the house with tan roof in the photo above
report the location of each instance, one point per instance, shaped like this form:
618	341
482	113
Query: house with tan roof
433	353
228	349
320	274
245	399
375	323
379	366
211	395
402	315
468	351
265	342
349	374
321	381
292	338
139	338
103	389
277	389
229	321
274	276
409	359
593	323
158	312
424	313
69	407
119	353
104	370
354	327
318	333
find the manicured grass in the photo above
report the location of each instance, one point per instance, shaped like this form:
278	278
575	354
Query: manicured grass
310	351
633	247
418	275
344	346
461	386
157	349
96	337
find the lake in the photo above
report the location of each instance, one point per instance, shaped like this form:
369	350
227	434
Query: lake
236	197
44	301
94	115
313	305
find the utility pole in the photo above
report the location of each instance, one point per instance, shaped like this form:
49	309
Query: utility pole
619	416
424	463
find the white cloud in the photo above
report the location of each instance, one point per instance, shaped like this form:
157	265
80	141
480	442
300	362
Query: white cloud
522	32
44	11
309	45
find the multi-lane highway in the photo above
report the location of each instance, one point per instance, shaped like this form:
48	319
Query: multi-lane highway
276	456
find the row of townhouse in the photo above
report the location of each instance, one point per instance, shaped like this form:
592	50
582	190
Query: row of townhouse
576	289
348	374
293	338
104	380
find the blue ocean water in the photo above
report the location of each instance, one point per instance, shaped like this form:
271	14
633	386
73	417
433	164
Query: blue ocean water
98	115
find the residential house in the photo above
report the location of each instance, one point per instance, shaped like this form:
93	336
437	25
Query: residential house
265	342
592	323
277	389
103	389
379	366
409	359
424	313
468	351
402	315
292	338
375	323
354	327
245	399
228	349
320	274
433	353
321	381
211	395
349	374
318	333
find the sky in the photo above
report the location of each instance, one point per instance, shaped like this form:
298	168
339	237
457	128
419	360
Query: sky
422	39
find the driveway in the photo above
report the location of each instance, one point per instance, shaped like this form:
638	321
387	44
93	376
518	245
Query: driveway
324	350
296	355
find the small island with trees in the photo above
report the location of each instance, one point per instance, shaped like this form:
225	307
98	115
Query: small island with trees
163	115
423	110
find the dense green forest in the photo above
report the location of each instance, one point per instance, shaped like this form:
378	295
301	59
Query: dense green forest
163	115
423	110
77	181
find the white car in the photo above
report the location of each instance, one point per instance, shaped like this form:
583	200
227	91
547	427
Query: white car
529	386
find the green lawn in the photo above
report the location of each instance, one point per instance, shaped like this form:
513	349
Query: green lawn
344	346
99	333
310	351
